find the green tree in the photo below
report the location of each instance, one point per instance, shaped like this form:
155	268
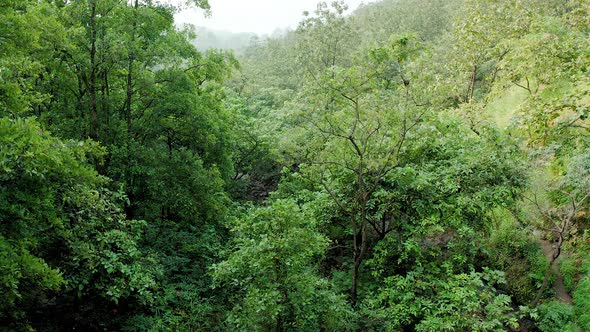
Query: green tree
561	209
274	271
63	227
354	139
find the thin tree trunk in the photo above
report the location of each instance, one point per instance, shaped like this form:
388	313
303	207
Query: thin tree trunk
127	108
355	270
472	81
130	62
93	104
359	253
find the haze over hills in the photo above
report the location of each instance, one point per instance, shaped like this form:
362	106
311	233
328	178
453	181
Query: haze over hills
216	33
260	16
226	40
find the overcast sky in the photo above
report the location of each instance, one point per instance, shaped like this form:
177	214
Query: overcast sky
259	16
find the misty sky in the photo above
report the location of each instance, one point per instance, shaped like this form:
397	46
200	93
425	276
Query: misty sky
259	16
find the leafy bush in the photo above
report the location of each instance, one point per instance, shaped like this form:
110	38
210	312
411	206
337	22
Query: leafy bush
555	317
429	303
582	303
569	269
513	250
273	273
60	225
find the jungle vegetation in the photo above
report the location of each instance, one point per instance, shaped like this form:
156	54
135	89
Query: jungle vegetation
410	165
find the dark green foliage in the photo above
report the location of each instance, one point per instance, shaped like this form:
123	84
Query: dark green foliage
511	249
273	272
555	316
440	302
62	228
155	105
582	303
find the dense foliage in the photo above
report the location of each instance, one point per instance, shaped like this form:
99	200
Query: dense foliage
411	165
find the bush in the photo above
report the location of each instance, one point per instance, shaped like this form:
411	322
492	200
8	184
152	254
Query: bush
569	270
555	317
512	250
582	303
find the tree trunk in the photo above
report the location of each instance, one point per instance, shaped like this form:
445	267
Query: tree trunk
93	72
130	62
355	278
472	81
127	108
359	253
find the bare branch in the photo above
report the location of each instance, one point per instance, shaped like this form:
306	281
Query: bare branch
331	193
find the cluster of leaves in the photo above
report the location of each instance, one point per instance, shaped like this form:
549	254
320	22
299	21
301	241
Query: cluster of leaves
274	273
62	228
435	302
512	250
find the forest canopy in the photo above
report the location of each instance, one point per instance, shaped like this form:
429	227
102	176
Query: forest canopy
408	165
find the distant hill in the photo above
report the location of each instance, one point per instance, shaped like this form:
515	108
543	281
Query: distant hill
207	39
